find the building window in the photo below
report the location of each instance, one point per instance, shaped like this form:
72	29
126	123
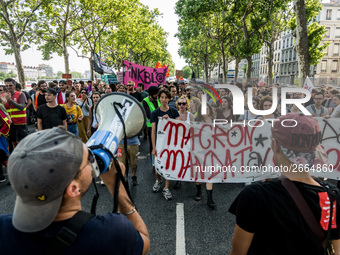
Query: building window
337	32
327	32
335	49
338	14
323	66
329	14
335	66
326	51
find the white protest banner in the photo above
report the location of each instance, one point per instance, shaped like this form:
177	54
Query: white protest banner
200	152
308	84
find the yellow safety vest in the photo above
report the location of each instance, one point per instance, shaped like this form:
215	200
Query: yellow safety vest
152	108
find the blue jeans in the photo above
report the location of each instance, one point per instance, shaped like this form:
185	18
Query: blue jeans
73	129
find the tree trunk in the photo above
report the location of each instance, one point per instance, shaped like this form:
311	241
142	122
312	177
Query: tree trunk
223	64
302	48
66	58
249	64
197	71
219	72
91	68
270	64
206	70
237	62
18	63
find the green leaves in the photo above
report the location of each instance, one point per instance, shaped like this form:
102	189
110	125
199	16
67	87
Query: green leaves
315	31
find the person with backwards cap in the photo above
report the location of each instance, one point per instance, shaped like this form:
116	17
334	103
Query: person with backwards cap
277	216
49	193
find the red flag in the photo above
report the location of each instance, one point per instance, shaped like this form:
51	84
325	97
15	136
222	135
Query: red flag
159	65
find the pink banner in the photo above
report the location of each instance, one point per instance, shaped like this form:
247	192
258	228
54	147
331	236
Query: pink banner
149	76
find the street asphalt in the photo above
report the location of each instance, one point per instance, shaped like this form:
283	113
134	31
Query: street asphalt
206	231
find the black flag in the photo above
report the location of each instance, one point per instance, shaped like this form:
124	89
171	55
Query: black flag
100	66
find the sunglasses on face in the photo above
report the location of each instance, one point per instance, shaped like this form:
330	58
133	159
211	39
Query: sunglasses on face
10	85
83	92
182	103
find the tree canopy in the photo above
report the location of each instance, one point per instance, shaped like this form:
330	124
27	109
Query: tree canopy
118	29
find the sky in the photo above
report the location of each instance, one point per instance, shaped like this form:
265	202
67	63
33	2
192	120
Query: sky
168	21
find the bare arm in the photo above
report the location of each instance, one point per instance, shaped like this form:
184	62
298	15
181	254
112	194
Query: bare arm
241	241
192	117
90	119
39	123
336	246
19	106
125	205
65	124
89	123
153	138
29	102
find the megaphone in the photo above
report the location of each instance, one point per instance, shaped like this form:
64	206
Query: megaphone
113	112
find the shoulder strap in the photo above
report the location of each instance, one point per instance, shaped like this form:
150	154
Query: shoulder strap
303	207
68	234
313	108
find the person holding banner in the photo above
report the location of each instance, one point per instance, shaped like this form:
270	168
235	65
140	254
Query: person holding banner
182	106
316	109
164	112
194	105
336	111
248	115
292	214
266	104
225	111
206	118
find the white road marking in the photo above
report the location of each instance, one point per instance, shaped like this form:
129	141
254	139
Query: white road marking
180	231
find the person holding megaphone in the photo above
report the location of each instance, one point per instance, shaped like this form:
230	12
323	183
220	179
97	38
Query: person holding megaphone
48	216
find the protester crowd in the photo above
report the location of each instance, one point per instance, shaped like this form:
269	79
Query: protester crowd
56	103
